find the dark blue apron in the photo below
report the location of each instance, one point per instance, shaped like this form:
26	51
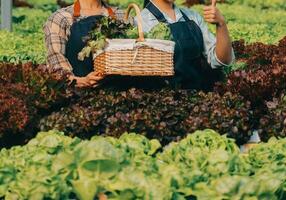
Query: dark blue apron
191	68
75	43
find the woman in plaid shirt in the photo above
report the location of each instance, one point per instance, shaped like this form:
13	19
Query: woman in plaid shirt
64	31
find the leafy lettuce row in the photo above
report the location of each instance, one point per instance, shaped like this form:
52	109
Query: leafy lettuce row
164	114
204	165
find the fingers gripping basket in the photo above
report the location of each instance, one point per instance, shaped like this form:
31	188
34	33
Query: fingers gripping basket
150	57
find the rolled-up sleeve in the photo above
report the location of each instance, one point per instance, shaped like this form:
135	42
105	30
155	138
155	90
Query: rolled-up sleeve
56	39
209	42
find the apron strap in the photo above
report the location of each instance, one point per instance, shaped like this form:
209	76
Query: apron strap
159	15
111	12
156	12
76	11
186	18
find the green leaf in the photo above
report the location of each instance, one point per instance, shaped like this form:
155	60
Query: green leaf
155	145
101	166
85	189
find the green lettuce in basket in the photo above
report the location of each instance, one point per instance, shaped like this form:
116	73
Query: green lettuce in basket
108	27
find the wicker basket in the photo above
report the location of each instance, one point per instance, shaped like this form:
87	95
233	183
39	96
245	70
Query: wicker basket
141	60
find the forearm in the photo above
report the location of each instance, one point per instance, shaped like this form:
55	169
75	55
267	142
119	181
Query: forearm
223	45
58	63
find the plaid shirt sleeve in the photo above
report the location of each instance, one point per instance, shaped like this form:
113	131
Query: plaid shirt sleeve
57	31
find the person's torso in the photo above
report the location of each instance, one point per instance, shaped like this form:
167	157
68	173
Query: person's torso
191	68
79	28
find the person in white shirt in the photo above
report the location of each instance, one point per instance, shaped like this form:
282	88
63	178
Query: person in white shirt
199	55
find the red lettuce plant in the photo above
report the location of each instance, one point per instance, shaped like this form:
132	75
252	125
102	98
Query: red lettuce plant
163	114
265	76
273	123
28	92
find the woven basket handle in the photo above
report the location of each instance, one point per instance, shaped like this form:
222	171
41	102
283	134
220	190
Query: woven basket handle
139	20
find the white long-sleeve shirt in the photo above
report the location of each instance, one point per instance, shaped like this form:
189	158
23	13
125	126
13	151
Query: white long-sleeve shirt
149	21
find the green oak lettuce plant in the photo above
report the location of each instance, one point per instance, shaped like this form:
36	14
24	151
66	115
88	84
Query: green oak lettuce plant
204	165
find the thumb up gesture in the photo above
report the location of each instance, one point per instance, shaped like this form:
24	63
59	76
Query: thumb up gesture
213	15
